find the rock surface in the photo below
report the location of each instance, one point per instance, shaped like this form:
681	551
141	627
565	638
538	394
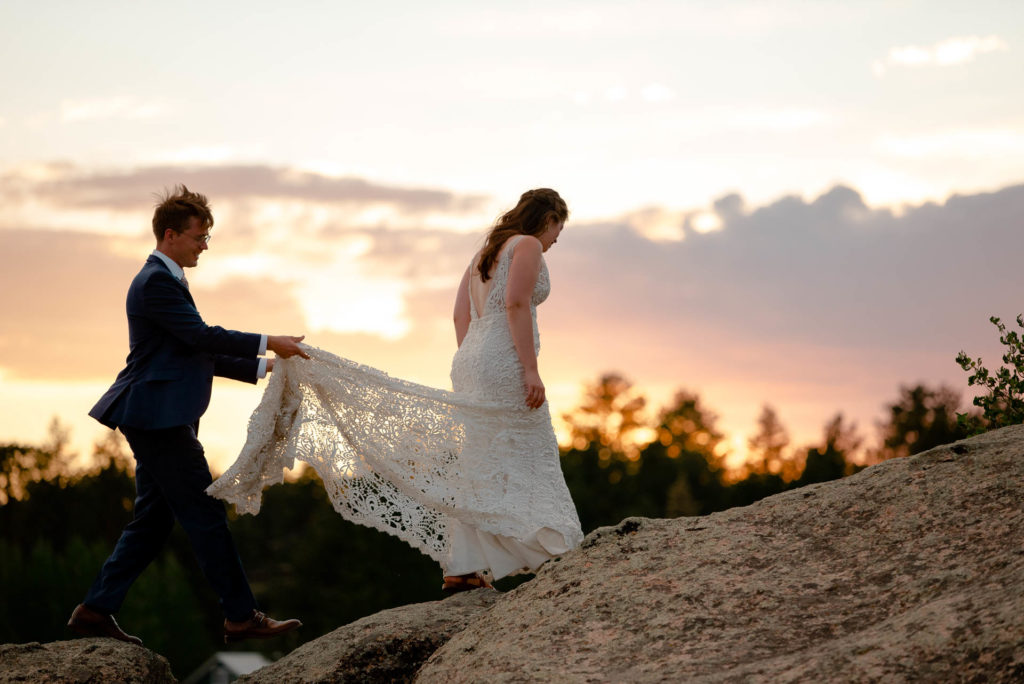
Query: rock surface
389	646
909	571
912	570
82	661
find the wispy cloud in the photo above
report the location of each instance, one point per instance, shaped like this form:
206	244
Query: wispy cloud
323	235
67	185
950	52
659	224
116	107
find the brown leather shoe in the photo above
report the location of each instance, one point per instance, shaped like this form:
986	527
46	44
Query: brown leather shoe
453	584
259	626
88	622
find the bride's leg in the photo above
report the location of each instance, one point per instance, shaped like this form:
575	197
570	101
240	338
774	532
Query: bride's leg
465	562
464	557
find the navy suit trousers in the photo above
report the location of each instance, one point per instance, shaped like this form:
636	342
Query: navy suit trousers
171	475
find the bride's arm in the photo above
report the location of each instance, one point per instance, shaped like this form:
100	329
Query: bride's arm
462	314
522	277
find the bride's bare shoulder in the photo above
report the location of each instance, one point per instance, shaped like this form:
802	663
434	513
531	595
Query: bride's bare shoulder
526	245
517	243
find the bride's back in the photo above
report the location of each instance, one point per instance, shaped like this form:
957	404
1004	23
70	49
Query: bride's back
480	291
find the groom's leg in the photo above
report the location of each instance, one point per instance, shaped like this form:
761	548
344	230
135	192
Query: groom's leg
183	475
140	541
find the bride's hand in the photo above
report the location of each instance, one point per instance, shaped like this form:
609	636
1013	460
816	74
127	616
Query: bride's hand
534	389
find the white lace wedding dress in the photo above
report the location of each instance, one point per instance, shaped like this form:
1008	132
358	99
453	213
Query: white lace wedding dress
470	477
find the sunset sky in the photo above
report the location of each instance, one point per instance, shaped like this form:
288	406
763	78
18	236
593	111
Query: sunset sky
805	204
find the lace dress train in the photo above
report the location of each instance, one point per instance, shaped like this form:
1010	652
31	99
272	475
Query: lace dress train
470	477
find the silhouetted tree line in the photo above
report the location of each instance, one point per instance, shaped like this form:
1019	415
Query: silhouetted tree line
618	464
57	525
301	557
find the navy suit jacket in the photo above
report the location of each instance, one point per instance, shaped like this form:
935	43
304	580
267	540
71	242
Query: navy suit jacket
173	357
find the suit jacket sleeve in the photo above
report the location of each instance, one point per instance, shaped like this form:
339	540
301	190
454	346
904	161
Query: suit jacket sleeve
236	368
169	307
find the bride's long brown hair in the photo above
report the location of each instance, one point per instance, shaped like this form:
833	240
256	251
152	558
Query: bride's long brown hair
531	216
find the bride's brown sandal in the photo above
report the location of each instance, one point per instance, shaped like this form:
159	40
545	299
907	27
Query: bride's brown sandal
453	584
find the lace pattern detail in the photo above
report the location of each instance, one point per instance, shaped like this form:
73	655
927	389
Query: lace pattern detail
406	459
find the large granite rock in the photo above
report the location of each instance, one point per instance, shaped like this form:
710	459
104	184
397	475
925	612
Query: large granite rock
912	570
82	661
389	646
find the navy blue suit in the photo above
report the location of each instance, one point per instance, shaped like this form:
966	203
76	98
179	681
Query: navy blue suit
173	357
156	402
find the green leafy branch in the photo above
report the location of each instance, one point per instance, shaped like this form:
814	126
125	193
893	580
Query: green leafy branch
1003	404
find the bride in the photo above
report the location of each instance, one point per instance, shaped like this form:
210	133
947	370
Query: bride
470	477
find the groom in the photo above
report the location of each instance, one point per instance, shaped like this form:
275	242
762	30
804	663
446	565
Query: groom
156	402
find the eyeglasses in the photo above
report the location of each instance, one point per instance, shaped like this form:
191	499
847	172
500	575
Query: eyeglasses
204	239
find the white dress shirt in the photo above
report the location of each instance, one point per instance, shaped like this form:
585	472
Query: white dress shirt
179	273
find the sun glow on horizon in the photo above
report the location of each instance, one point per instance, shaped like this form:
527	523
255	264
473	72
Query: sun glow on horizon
378	308
706	222
737	454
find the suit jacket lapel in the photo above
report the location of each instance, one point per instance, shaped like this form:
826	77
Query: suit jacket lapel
157	260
